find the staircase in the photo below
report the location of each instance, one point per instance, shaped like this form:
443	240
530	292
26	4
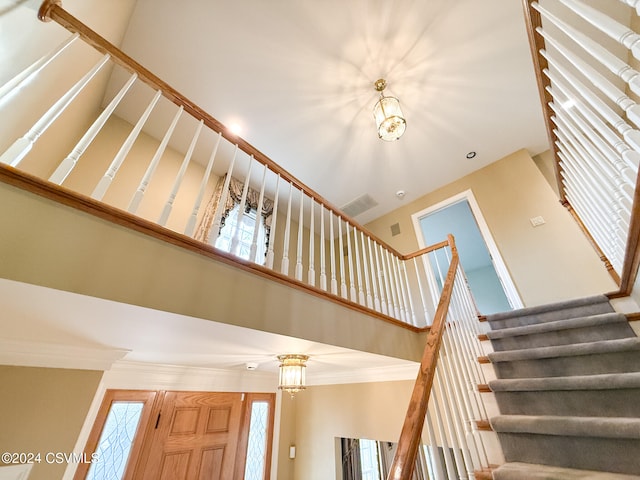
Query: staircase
568	390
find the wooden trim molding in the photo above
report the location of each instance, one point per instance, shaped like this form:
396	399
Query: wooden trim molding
616	278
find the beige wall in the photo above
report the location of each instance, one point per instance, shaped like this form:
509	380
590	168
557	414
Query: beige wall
324	413
548	263
42	410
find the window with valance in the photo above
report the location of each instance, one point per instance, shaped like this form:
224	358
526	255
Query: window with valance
231	223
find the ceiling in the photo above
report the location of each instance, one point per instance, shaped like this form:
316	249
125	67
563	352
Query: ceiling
297	77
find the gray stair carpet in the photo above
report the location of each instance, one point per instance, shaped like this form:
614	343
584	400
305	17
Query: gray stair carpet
568	391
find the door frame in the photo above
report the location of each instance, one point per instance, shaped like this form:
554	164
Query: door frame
498	263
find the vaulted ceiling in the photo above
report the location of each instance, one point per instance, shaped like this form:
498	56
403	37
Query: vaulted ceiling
297	77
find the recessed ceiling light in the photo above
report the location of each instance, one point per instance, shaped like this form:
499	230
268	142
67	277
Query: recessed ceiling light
235	128
471	155
400	194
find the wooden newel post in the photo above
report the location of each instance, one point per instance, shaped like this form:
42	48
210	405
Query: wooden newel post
410	437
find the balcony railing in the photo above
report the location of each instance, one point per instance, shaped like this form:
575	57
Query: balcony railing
586	58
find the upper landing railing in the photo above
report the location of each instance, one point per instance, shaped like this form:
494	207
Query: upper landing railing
201	180
221	196
587	68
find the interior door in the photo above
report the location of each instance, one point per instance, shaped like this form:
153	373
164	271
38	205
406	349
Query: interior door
488	277
195	438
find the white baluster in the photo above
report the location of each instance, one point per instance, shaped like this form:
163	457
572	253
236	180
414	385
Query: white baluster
590	179
611	160
606	58
366	271
610	183
254	240
217	216
35	68
272	230
442	434
284	266
69	163
332	255
374	268
343	283
105	181
352	282
191	224
385	293
164	217
630	135
298	271
235	238
323	269
427	319
148	174
449	421
620	33
600	82
361	297
16	152
402	296
438	468
312	270
408	290
630	158
392	284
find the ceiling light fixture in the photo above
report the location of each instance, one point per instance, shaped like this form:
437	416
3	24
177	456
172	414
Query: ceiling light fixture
389	120
292	373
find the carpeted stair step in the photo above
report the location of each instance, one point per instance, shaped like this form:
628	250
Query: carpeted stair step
587	443
528	471
581	307
608	356
604	326
605	395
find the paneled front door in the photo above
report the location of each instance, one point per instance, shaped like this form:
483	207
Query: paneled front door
196	437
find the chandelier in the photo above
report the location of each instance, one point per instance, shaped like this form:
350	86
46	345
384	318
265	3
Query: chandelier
389	120
292	373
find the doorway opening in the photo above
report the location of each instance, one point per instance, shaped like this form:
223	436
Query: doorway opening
487	274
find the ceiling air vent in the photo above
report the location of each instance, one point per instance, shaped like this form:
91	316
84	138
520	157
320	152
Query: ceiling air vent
359	205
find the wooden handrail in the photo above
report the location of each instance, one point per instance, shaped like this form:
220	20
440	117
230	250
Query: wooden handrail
410	437
53	10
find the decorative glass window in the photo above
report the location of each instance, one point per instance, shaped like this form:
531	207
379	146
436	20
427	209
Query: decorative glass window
245	228
115	441
257	444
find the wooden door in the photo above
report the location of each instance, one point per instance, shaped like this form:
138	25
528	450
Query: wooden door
195	438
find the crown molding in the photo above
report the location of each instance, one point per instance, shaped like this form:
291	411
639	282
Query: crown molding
52	355
367	375
125	374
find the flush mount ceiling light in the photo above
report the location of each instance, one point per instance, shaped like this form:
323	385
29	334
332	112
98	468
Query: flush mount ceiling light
389	120
292	373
